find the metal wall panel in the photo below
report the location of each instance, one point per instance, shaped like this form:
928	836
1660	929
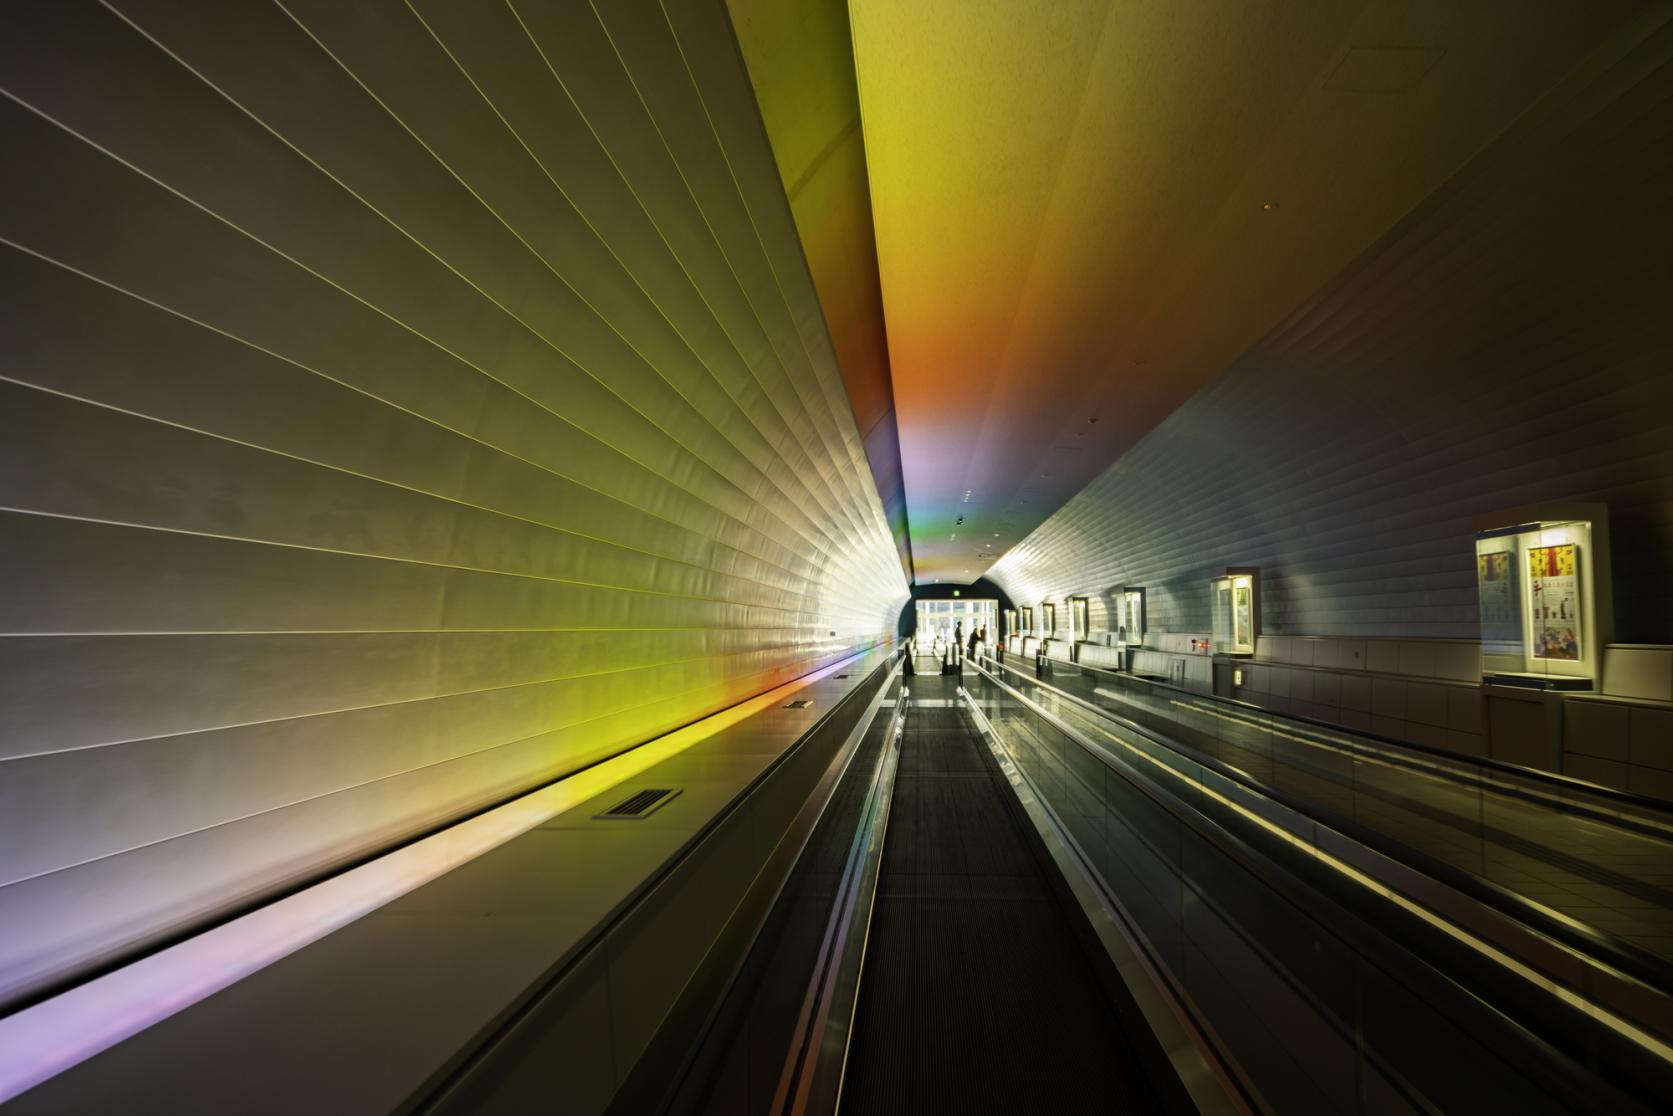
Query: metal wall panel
1507	343
404	405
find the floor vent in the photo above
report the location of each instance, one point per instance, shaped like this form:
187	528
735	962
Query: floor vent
799	703
637	805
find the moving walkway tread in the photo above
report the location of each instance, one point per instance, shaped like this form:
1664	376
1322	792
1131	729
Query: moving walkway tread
982	989
979	992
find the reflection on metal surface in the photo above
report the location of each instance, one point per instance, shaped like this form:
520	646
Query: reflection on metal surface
1213	1086
1412	762
1639	1036
50	1037
812	1078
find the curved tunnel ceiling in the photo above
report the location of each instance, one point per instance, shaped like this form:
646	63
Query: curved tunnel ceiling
1085	211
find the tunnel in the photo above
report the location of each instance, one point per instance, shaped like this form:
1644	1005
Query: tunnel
797	556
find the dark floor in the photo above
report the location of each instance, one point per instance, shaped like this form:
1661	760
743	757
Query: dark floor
977	995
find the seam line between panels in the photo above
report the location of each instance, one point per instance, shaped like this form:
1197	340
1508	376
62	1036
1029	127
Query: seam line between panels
403	325
454	501
768	539
762	473
396	775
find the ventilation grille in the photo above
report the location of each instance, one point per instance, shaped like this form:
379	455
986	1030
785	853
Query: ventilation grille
639	804
799	703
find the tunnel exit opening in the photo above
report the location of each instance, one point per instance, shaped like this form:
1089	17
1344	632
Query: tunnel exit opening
941	623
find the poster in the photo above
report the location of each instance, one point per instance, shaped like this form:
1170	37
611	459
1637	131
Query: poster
1554	597
1131	620
1496	589
1242	632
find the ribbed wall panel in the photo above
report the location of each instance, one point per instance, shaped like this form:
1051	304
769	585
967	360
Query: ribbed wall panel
1509	343
403	405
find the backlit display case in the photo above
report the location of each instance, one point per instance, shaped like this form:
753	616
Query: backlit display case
1028	621
1236	598
1048	619
1542	594
1080	618
1130	624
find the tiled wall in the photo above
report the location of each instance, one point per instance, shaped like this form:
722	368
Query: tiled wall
1425	691
1164	653
1623	737
403	405
1643	671
1101	655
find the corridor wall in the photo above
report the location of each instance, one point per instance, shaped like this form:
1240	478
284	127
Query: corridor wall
1508	343
403	405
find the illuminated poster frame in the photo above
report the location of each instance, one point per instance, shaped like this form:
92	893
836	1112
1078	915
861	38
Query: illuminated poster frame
1542	595
1132	619
1235	601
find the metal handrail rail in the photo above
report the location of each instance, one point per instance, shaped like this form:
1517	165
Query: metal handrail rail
1242	852
1601	946
813	1072
654	884
1532	774
1217	1080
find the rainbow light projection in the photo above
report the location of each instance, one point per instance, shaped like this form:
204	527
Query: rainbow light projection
801	66
409	406
1088	210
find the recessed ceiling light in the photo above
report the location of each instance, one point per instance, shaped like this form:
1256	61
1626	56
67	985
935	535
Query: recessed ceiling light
1269	205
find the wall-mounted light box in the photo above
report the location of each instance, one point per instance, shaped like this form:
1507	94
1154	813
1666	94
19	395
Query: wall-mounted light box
1132	620
1543	595
1236	601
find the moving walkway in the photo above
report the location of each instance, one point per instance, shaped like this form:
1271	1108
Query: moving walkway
972	891
1262	960
1590	865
